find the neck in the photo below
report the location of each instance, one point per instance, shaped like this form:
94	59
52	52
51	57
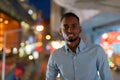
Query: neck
73	45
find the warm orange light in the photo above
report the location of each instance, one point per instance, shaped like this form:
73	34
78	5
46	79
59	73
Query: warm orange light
1	47
1	39
112	37
39	44
39	37
6	22
1	19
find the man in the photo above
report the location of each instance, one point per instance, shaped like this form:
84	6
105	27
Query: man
77	60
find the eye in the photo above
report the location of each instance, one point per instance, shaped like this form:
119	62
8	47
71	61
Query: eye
65	27
74	26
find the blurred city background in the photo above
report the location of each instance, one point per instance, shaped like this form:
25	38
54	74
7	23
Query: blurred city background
29	33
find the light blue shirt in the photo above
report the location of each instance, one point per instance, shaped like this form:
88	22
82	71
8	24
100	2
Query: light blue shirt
82	65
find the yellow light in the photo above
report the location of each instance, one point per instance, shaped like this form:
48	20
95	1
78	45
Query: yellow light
6	22
28	49
30	57
0	48
39	44
21	0
1	19
22	44
48	37
1	39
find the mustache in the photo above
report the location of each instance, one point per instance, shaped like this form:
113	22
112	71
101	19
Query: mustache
70	34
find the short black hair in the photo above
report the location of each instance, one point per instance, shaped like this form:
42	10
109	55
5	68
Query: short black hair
68	15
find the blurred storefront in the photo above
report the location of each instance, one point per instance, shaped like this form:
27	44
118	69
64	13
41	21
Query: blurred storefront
15	23
111	43
12	17
8	23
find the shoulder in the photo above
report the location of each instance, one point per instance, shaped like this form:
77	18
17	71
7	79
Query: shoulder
58	51
94	46
97	48
57	54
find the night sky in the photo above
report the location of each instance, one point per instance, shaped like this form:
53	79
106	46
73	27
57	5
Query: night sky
42	5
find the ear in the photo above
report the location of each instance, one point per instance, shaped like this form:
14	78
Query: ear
60	32
80	29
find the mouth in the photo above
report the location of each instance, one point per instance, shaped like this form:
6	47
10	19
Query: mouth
71	35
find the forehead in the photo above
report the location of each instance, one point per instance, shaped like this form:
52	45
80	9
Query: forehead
70	19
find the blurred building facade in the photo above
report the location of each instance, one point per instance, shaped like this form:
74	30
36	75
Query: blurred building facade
12	17
20	26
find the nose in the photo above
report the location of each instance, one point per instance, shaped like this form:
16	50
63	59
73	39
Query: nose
69	29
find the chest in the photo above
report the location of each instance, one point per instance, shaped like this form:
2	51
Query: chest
82	60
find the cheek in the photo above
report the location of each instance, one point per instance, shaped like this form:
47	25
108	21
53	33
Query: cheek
61	32
64	35
79	30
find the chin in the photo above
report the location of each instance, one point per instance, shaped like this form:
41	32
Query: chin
71	40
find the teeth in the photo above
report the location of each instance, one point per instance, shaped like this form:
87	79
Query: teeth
70	35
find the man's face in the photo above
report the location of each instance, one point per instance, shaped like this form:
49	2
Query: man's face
70	29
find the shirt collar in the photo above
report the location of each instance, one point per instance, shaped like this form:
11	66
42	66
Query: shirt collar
81	46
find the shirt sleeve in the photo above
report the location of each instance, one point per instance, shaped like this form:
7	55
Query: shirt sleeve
52	70
102	65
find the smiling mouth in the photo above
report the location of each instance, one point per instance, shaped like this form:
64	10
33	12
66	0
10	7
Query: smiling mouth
70	35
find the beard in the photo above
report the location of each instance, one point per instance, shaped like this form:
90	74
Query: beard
72	39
